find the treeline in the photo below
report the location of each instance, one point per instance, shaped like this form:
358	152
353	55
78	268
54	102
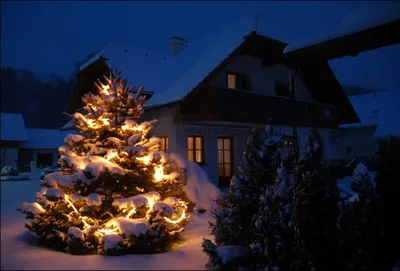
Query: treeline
41	101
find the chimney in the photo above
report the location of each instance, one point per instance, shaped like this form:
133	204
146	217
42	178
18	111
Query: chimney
176	45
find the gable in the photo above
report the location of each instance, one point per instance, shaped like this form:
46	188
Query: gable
262	78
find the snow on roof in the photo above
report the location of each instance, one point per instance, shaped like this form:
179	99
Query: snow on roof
13	127
44	139
378	109
173	77
363	18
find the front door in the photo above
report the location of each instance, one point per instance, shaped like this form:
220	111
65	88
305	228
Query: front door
224	161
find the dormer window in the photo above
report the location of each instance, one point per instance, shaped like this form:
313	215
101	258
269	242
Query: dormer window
238	81
282	89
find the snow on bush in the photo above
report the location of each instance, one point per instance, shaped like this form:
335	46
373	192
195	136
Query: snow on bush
133	227
9	171
31	208
229	253
199	188
111	241
76	233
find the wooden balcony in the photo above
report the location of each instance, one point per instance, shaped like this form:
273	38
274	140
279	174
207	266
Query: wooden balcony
239	106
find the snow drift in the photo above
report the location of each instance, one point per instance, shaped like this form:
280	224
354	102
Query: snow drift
199	189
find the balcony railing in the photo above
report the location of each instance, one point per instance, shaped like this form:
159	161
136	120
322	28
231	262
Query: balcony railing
239	106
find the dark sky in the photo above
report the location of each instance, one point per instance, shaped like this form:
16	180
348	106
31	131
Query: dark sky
49	36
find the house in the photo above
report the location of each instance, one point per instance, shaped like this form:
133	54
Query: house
20	145
378	113
13	132
207	94
41	147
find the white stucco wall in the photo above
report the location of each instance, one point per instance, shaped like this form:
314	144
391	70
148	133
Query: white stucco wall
262	78
179	133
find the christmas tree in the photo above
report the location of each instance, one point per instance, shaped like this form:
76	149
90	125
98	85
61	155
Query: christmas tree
115	192
317	204
236	212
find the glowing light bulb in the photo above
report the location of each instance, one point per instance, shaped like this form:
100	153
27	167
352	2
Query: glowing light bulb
145	160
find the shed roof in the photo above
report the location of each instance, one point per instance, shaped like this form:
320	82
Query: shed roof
379	109
13	127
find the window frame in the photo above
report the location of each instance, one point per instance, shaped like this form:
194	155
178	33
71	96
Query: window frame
277	82
165	138
195	149
223	155
246	77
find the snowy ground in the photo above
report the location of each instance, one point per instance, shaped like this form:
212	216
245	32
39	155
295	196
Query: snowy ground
19	249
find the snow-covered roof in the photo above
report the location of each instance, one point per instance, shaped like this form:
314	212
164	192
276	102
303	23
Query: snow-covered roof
13	127
367	16
173	77
379	109
44	139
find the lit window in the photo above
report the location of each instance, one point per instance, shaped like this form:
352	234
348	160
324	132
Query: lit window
238	81
195	149
164	144
232	81
224	157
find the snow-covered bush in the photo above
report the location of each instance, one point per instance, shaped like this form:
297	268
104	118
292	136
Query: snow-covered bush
361	225
46	171
9	171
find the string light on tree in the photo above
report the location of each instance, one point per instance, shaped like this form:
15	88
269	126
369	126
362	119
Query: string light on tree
115	192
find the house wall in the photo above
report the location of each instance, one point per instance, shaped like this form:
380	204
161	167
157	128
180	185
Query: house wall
361	142
178	134
262	78
165	125
9	153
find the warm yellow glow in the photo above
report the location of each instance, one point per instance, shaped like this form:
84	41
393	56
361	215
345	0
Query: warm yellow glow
145	160
134	128
111	227
73	207
111	155
105	89
131	212
175	221
105	121
94	107
159	174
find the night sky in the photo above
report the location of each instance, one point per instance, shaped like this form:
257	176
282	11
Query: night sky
50	36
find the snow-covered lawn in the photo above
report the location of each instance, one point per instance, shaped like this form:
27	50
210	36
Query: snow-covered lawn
19	249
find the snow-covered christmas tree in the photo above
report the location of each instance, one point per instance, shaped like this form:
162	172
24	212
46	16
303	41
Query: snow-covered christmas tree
115	192
236	212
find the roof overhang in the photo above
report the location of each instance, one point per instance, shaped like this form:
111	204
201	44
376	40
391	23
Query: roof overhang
348	45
